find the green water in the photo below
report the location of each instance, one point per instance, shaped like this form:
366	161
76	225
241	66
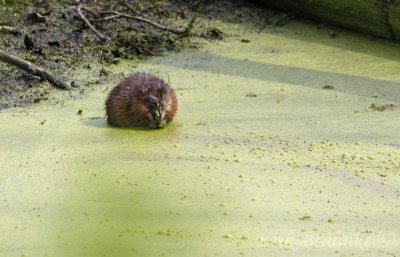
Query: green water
295	171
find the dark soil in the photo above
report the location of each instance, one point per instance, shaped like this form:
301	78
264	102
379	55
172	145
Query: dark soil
53	37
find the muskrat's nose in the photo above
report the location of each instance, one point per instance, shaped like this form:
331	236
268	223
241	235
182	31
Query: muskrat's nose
161	124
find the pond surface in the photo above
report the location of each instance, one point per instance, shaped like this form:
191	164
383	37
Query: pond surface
275	151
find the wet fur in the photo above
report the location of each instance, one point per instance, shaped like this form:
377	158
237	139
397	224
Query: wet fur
127	106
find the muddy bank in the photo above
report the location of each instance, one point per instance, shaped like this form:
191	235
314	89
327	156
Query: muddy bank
52	35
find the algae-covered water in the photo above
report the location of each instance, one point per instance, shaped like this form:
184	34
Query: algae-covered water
260	161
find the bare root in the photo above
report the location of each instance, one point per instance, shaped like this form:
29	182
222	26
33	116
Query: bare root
31	68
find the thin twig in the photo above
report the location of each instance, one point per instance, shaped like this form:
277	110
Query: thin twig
95	31
116	14
31	68
283	17
107	18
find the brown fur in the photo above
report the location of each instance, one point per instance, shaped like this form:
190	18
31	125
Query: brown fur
127	104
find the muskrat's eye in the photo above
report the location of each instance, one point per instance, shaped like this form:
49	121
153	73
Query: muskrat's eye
151	104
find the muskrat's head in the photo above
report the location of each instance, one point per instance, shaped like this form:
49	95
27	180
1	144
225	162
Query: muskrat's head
156	106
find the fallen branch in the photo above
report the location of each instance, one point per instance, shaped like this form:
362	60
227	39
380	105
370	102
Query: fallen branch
98	16
115	14
31	68
95	31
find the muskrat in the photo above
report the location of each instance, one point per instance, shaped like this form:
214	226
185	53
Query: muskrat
141	100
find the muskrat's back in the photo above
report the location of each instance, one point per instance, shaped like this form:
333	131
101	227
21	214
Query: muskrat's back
141	100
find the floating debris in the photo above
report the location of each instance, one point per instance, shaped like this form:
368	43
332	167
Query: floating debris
305	218
328	87
251	95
